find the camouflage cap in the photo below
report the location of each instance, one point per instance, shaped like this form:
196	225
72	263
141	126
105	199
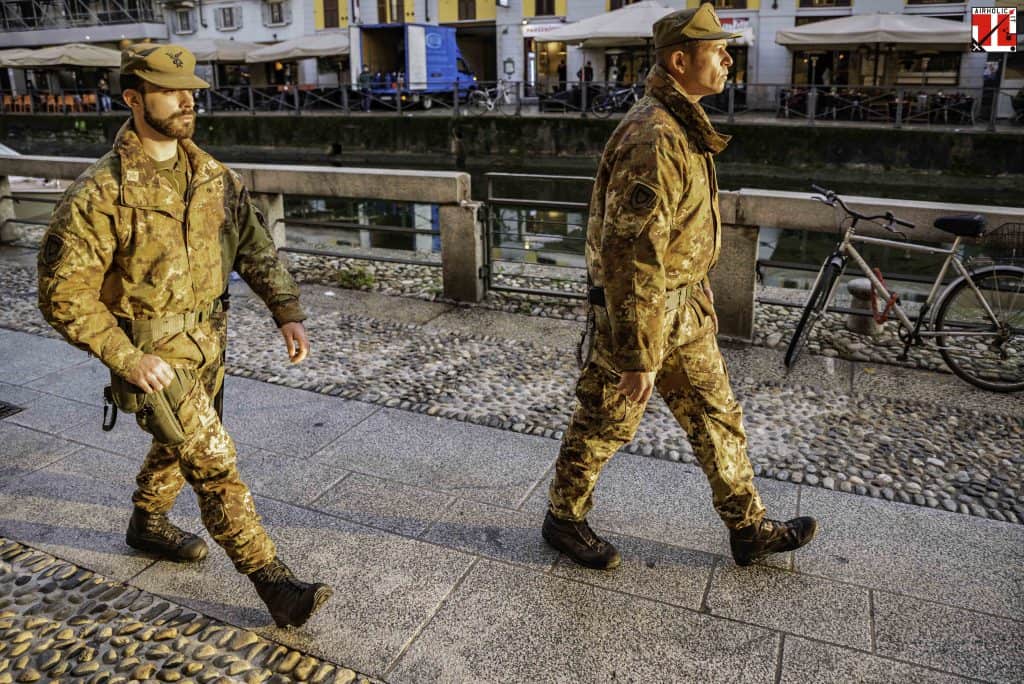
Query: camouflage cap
168	66
689	24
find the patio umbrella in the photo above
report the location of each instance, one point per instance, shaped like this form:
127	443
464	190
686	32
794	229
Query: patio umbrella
71	54
629	25
878	28
221	50
325	44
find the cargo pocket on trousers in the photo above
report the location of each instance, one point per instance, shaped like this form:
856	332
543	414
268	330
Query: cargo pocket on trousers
161	412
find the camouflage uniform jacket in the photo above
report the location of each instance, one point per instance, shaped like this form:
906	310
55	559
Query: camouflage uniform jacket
123	243
654	223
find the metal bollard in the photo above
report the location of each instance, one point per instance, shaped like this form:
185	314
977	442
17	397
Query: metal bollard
860	294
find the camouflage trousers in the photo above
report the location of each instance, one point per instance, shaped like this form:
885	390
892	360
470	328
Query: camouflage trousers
206	460
694	382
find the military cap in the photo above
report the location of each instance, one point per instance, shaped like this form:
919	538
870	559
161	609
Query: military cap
689	24
168	66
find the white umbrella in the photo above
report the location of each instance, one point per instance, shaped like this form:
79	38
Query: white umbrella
221	49
71	54
325	44
629	25
886	29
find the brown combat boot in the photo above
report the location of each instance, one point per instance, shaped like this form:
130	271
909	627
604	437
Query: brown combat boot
770	536
154	533
289	601
577	541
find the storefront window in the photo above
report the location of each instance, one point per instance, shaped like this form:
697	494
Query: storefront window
827	68
546	70
925	68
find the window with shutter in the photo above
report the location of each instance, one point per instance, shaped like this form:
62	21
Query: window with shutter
331	14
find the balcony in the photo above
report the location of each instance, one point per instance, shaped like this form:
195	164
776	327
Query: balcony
28	23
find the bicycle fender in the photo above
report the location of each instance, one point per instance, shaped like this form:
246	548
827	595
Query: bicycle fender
974	274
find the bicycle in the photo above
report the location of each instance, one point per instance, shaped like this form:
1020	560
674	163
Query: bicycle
621	98
978	319
499	98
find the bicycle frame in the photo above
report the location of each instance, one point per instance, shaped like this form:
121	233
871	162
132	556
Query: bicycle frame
846	250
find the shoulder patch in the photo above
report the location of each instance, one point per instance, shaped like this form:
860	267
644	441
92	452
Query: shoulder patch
52	250
641	196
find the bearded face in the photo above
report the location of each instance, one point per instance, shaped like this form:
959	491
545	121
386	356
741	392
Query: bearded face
170	113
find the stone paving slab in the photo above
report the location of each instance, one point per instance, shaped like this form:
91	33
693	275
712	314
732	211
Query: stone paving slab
390	506
77	508
958	560
386	586
27	358
61	622
804	660
299	427
959	641
791	602
493	532
83	382
490	466
45	412
24	450
503	624
285	478
649	569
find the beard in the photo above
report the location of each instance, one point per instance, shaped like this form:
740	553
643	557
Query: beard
174	126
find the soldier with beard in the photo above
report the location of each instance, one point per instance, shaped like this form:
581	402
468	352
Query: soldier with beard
131	269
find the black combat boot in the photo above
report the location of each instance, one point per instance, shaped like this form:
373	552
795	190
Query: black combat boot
290	601
154	533
577	541
770	536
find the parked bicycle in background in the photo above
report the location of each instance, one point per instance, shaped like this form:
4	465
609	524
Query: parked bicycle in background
977	322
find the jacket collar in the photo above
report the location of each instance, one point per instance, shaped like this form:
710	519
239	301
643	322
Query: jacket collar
141	185
662	87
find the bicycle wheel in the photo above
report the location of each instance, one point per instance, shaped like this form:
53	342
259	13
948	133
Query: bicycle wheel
603	106
505	103
479	103
985	351
813	310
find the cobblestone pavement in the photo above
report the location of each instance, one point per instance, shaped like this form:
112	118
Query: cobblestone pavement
60	622
963	456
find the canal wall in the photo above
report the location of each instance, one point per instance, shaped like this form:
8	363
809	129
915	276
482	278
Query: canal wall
939	164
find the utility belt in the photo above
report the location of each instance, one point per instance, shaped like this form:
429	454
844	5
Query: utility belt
674	299
145	330
157	412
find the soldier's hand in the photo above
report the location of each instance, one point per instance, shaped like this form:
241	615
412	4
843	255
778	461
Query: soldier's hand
636	385
152	374
711	298
295	341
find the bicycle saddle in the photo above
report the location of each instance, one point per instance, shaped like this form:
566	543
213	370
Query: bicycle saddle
964	225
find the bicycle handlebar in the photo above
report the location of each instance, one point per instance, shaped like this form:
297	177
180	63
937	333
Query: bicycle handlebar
831	199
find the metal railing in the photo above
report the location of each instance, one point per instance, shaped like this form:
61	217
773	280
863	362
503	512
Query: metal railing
535	235
893	106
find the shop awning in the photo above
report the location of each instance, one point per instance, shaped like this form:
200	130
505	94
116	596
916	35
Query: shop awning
883	29
221	50
9	58
72	54
320	45
629	25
